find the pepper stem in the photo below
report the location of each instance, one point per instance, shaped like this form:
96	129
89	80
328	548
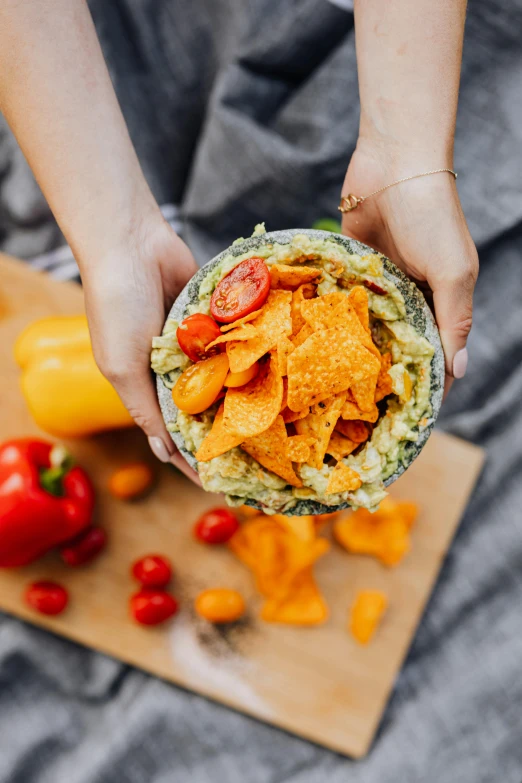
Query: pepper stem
51	479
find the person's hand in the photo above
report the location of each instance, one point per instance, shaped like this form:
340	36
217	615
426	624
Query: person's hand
128	294
421	227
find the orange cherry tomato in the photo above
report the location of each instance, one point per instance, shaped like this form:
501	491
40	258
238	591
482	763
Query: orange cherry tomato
131	481
242	291
199	386
195	333
234	379
220	605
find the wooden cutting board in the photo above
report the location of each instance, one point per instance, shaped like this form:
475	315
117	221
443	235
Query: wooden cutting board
317	683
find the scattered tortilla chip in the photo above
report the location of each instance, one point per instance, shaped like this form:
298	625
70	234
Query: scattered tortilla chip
290	277
244	332
318	312
357	431
364	392
252	409
320	424
343	479
246	318
282	351
298	447
302	335
302	527
339	446
366	614
352	411
218	441
269	449
327	363
303	604
273	322
358	298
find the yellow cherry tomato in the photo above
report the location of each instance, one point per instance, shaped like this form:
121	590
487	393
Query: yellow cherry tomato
220	605
234	379
199	386
131	481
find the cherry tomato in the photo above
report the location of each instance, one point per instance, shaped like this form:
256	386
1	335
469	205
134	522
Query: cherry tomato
234	379
84	547
47	597
152	607
152	571
220	605
199	386
195	333
216	526
131	481
243	290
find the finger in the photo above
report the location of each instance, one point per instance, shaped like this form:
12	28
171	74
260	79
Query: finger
453	300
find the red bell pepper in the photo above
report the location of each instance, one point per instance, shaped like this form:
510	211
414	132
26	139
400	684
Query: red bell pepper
44	500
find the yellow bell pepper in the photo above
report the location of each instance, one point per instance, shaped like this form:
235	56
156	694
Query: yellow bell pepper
66	393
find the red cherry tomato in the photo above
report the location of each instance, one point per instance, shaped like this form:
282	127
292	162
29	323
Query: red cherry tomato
84	547
242	291
195	333
152	571
152	607
216	526
47	597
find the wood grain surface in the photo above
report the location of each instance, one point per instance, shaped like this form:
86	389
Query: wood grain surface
317	683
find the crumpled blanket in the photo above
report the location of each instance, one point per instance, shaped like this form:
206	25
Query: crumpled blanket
244	112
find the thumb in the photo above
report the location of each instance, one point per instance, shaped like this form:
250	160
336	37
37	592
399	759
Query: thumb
453	301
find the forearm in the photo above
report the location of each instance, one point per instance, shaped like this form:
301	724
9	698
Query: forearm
57	96
409	56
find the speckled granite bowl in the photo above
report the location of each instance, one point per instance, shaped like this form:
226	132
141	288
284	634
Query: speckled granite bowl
418	315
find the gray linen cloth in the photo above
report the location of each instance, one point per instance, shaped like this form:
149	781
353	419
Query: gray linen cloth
247	111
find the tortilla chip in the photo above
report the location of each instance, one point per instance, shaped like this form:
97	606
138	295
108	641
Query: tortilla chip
273	322
364	392
218	441
303	604
282	351
290	416
244	332
319	424
252	409
302	527
290	277
352	411
327	363
339	446
366	614
302	335
357	431
343	479
318	312
269	449
246	318
358	298
298	447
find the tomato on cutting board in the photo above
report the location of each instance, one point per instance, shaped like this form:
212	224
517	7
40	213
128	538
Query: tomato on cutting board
195	333
47	597
199	386
152	607
152	571
216	526
242	291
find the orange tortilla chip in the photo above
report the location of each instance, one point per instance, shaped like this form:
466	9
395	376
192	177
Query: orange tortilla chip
252	409
282	351
274	322
290	277
290	416
302	605
218	441
352	411
244	332
302	527
339	446
318	312
327	363
384	381
343	479
366	614
364	392
246	318
357	431
358	298
306	291
269	449
298	447
302	335
319	424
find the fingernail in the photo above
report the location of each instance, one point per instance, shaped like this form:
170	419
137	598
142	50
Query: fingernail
460	363
159	449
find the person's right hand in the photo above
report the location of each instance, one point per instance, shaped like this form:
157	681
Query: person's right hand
128	294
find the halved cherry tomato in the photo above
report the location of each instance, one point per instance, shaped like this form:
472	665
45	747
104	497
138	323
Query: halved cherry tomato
199	386
47	597
234	379
152	607
220	605
84	547
152	571
243	290
216	526
195	333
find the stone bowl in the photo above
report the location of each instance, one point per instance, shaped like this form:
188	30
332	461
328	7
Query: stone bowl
418	314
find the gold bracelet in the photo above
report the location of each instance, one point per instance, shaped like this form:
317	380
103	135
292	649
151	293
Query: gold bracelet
351	202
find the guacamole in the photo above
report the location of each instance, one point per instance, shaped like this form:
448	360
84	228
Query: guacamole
403	414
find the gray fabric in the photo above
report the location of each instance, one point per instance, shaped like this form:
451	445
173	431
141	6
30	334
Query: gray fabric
244	111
